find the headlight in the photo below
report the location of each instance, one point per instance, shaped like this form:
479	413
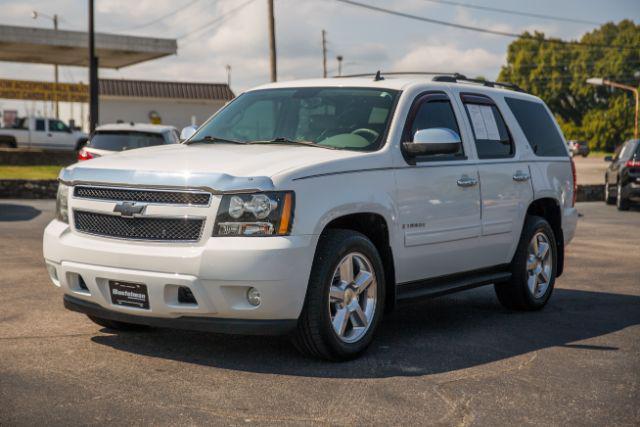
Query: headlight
259	214
62	203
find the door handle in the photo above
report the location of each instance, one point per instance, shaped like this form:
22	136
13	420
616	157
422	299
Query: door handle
521	177
49	134
466	181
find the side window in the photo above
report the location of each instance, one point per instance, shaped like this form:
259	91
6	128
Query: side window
492	137
538	126
434	112
57	126
40	125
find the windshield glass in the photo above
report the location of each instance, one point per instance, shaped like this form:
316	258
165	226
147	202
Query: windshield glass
338	117
119	141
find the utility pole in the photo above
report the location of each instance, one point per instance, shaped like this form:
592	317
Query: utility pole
228	67
324	54
93	74
35	15
272	43
339	58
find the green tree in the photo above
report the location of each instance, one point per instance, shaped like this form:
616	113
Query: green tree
557	72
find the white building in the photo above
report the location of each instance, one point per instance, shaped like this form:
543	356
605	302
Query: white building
160	102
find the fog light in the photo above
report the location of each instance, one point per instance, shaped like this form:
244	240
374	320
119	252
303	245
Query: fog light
253	296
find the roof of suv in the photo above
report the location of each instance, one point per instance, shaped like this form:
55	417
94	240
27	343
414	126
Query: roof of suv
140	127
391	82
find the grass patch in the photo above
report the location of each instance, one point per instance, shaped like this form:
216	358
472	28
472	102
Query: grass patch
29	172
602	154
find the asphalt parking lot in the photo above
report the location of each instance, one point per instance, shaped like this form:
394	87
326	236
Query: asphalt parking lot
460	359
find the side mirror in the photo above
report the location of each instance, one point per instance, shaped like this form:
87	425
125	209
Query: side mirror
433	141
187	132
608	158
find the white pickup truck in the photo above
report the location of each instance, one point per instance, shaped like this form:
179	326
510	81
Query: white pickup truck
40	132
313	207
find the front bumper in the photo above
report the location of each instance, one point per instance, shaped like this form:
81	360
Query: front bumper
218	272
193	323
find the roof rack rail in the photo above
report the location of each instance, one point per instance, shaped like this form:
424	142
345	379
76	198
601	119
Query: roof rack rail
395	73
438	77
456	77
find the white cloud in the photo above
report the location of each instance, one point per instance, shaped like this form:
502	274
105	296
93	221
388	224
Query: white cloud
449	58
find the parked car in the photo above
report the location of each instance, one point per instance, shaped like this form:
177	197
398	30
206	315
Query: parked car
580	148
312	207
41	132
622	178
114	138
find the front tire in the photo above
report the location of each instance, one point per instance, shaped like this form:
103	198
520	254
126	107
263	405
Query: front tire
533	268
345	298
609	198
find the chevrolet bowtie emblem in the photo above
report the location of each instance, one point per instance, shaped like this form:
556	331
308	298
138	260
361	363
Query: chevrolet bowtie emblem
129	209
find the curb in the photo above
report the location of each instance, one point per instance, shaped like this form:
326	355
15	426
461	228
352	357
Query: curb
47	189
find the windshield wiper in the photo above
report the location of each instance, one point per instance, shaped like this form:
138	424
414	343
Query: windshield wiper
281	140
210	138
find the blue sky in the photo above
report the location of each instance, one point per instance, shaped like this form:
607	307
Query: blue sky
368	40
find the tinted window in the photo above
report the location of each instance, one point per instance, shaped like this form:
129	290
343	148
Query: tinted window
40	125
57	126
490	132
637	154
435	114
119	141
349	118
538	127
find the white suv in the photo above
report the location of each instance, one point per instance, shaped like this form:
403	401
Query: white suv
313	207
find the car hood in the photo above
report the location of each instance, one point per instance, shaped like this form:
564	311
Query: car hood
215	166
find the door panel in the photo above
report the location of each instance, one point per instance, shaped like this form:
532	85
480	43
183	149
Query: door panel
506	192
438	219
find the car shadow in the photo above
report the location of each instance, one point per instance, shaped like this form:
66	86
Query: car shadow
10	212
440	335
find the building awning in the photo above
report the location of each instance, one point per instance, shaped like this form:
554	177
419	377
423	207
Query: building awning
78	92
62	47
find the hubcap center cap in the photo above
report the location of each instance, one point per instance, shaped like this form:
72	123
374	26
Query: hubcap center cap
349	295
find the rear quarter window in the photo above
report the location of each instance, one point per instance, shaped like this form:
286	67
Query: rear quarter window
538	126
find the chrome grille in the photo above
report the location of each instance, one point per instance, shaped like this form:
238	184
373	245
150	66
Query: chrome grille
146	196
142	228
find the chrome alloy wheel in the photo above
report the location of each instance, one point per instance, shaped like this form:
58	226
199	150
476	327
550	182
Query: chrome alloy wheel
539	265
353	297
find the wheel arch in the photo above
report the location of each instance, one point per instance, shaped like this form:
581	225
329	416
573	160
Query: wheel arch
549	209
10	139
376	228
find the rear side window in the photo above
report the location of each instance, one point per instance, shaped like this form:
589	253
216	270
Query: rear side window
538	127
40	125
493	140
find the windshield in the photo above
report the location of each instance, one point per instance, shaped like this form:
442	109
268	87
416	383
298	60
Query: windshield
124	140
347	118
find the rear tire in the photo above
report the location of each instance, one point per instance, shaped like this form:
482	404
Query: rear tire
116	325
533	268
343	305
622	203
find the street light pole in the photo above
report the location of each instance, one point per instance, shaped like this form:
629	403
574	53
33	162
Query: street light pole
604	82
93	74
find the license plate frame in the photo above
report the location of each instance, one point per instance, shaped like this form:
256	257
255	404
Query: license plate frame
129	294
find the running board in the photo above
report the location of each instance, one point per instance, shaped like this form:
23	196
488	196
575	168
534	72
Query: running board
431	288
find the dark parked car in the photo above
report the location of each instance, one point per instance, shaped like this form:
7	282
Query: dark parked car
579	148
622	179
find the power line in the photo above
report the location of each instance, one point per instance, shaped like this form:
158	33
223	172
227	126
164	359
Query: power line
514	12
482	30
160	18
218	20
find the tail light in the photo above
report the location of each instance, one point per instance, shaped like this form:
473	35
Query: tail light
84	155
633	164
575	182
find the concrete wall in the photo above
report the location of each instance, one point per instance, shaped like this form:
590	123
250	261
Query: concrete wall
175	112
